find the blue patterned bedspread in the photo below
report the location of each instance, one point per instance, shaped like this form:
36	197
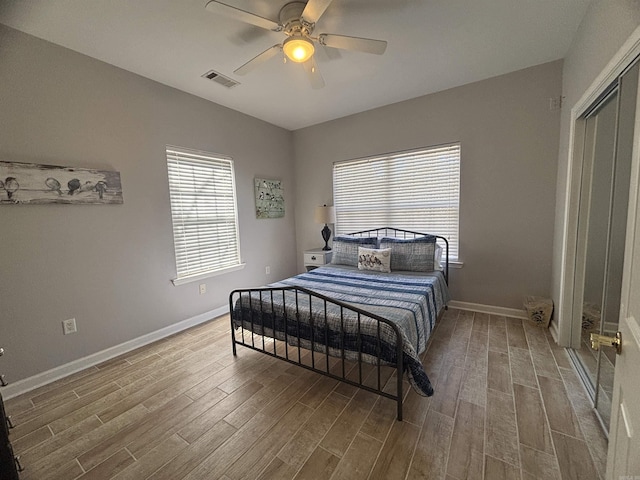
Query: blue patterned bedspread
410	300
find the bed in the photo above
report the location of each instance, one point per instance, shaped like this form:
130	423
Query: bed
362	319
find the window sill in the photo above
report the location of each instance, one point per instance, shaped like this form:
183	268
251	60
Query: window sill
456	264
194	278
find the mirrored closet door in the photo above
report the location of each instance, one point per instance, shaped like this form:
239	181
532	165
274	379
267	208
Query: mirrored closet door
604	195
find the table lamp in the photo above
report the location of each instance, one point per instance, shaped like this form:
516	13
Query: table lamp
325	215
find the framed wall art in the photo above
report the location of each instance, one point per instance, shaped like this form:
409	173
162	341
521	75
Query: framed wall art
31	183
269	198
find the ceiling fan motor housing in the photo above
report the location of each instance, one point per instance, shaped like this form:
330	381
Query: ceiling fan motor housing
292	21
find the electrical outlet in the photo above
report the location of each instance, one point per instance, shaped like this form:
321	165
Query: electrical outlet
267	270
203	288
69	326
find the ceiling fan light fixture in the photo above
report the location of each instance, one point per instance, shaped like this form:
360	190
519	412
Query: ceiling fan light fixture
298	48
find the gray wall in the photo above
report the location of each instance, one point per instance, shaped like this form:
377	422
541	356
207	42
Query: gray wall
110	266
509	141
605	27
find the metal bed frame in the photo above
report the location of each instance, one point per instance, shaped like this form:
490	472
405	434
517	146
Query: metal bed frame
292	351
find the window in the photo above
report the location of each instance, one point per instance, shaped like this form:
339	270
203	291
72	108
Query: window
203	209
417	190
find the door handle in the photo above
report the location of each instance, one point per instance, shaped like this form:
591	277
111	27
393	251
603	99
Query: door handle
598	341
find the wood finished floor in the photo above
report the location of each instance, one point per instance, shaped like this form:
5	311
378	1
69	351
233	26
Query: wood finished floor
507	406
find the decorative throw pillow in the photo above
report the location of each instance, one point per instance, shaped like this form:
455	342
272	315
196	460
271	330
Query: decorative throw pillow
413	255
378	260
345	249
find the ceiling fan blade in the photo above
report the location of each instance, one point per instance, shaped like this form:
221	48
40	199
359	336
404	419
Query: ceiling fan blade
248	34
258	60
329	53
314	10
222	8
313	73
366	45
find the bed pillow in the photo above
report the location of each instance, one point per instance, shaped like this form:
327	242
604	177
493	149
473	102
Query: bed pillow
345	249
412	255
437	258
378	260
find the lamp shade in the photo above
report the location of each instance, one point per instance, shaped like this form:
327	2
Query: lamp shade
325	214
298	49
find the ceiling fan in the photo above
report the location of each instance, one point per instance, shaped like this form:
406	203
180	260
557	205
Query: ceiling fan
297	21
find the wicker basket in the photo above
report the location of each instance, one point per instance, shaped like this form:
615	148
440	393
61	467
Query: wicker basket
539	310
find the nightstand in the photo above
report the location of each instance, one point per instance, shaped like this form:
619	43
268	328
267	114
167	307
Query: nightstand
316	258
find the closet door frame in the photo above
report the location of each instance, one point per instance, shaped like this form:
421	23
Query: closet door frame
624	58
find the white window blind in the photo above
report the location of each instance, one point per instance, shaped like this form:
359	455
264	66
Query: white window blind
203	209
417	190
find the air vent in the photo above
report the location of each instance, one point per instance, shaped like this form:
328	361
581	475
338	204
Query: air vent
221	79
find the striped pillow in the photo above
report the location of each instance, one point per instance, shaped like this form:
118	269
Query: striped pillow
412	255
345	249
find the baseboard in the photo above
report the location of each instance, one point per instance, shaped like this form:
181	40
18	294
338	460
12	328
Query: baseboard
553	328
22	386
491	309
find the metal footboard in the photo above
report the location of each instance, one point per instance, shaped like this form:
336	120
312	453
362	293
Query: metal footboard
265	324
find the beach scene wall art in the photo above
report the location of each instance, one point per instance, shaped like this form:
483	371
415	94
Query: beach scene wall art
30	183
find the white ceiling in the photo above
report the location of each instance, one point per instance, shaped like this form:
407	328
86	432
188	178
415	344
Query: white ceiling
432	45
